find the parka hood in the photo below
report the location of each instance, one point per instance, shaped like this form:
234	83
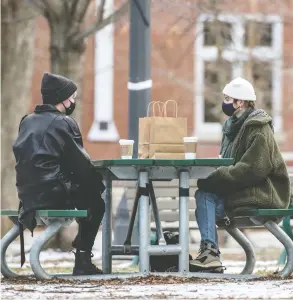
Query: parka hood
258	118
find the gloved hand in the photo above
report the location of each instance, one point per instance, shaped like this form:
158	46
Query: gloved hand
203	185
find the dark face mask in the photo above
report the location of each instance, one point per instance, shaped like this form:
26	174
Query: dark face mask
228	109
69	110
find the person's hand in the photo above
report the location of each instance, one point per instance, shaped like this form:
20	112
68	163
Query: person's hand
202	185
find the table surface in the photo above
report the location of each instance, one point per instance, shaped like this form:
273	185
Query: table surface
164	162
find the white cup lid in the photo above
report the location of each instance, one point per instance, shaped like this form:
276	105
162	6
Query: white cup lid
190	139
126	142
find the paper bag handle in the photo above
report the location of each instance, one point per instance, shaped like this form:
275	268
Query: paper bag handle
175	108
153	104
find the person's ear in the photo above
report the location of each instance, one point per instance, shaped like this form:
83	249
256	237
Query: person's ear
240	104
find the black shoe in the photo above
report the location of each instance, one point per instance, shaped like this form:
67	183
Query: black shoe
83	264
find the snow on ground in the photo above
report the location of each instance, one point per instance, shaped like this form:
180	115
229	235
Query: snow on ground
233	258
274	289
232	255
232	267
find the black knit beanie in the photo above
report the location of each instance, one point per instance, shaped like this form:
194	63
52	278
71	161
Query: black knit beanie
55	88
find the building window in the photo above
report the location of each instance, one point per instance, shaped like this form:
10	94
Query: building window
217	33
216	74
258	34
228	46
261	73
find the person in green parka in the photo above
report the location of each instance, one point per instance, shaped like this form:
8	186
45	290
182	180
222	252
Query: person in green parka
258	177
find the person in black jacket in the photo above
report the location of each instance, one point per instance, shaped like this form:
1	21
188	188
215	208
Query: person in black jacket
53	170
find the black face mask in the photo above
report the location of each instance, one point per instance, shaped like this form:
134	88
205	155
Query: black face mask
228	109
69	110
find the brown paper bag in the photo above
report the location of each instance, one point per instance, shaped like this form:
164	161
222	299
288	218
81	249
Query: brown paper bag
144	128
161	136
165	148
143	137
166	131
168	156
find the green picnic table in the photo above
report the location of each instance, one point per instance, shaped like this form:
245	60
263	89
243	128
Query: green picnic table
144	171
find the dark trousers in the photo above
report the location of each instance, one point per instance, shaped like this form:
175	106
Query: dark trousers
89	226
83	198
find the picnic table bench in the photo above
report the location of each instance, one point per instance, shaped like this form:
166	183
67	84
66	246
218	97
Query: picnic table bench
53	220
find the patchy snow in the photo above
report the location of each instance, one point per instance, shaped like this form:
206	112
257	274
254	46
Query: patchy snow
51	259
211	290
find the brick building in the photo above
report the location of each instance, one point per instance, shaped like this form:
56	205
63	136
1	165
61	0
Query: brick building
194	53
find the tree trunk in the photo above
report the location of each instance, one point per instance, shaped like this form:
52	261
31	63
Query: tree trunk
17	45
67	60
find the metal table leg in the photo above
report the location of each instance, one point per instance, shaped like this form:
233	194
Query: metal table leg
184	222
107	230
37	246
243	241
144	225
10	236
159	228
288	244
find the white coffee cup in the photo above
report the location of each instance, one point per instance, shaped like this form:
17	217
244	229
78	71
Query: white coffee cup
126	149
190	146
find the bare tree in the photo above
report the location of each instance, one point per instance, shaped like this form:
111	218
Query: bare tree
17	41
69	32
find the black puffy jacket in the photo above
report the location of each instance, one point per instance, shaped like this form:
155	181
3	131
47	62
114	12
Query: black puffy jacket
50	163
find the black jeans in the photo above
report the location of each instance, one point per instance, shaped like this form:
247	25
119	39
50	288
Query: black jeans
84	199
91	201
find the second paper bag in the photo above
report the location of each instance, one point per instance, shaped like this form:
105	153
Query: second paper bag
144	127
167	131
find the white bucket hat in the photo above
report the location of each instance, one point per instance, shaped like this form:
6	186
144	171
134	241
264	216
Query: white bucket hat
240	89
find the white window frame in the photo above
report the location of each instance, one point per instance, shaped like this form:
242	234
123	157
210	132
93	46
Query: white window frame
272	54
104	83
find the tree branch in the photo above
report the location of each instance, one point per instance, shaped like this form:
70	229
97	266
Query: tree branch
79	9
46	9
100	14
99	24
53	7
20	19
73	7
38	5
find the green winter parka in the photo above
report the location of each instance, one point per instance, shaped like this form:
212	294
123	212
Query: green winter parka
258	177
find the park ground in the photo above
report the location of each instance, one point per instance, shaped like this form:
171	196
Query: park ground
267	249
